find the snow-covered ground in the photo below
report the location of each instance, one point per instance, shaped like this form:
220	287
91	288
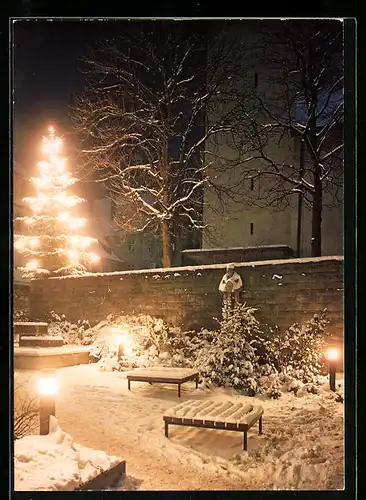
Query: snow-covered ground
301	446
56	462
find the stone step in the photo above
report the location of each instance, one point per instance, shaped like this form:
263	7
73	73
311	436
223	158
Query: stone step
38	358
43	341
30	328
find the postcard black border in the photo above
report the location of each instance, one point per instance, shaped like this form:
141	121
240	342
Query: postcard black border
160	9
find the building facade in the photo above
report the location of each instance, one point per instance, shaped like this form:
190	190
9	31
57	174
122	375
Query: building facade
250	221
129	250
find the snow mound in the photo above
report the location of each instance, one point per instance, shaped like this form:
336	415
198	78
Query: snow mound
56	462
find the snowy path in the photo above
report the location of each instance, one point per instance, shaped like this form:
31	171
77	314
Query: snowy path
302	444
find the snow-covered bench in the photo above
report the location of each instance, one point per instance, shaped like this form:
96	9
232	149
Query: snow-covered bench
209	414
163	375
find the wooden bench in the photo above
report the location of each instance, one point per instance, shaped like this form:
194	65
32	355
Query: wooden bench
163	375
209	414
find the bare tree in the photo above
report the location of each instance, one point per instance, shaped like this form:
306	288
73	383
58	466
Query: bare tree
26	410
298	93
142	124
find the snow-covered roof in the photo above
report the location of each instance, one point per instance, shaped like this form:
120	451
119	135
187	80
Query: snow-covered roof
103	254
99	228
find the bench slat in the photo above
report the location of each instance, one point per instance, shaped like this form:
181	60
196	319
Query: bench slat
204	411
174	411
225	405
252	416
226	415
241	412
192	412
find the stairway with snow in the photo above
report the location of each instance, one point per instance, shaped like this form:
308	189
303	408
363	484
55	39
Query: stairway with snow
34	349
33	334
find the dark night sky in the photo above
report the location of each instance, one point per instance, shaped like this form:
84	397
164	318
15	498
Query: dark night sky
46	75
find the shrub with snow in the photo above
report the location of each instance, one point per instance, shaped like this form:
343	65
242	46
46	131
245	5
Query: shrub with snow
299	350
78	334
242	353
253	357
153	343
228	357
26	409
20	315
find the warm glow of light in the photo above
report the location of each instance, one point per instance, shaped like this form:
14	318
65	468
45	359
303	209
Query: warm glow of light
120	339
94	257
64	217
29	220
51	204
73	255
60	164
32	265
76	223
123	338
43	165
128	350
332	354
82	242
42	181
34	242
48	385
67	201
19	244
51	146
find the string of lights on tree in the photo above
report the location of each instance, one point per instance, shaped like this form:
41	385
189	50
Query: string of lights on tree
51	242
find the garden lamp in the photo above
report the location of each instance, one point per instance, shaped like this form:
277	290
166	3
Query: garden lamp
48	388
332	355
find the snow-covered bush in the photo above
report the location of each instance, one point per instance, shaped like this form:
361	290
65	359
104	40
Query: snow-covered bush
26	409
20	315
299	350
79	333
228	357
255	357
148	331
152	342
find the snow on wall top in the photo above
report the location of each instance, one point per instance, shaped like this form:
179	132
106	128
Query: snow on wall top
221	249
172	270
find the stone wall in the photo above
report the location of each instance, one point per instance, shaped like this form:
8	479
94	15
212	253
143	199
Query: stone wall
207	256
284	291
21	293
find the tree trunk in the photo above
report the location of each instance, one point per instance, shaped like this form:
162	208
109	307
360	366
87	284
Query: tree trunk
316	222
166	245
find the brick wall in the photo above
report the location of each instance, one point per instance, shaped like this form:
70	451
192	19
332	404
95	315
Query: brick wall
284	291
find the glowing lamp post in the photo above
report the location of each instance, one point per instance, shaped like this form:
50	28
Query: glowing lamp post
124	343
332	357
48	388
120	344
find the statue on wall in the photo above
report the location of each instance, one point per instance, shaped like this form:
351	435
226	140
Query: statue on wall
230	286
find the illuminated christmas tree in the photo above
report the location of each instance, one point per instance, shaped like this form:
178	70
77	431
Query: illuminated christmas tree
53	244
